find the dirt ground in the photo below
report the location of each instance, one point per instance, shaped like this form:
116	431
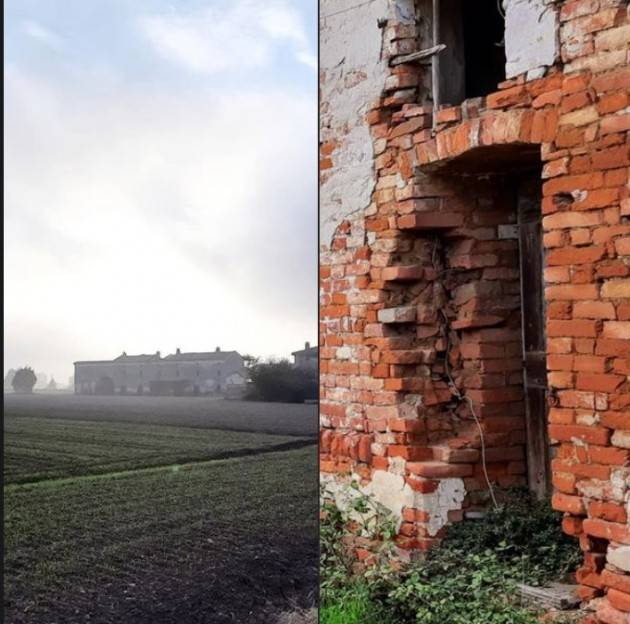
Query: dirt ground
217	541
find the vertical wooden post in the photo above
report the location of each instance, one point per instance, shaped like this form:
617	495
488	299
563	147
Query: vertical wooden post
435	64
533	328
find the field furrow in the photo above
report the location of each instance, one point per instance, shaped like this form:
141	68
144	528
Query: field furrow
134	518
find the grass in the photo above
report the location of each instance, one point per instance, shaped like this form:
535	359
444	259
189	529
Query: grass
39	448
354	608
102	534
235	530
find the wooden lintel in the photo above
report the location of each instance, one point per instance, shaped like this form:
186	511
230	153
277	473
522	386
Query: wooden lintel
418	56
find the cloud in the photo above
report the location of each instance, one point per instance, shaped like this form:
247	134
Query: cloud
234	36
42	35
144	220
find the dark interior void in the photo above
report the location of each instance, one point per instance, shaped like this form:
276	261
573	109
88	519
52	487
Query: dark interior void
519	158
473	62
484	29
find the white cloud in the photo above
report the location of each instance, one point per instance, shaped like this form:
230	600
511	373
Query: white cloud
237	35
42	35
308	59
146	221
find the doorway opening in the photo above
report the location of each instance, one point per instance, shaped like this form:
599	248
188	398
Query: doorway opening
494	353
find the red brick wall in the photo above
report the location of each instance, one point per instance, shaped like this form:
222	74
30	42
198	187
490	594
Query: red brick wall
424	285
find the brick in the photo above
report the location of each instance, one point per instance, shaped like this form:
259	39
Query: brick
508	97
562	220
598	198
439	470
430	221
607	614
572	525
599	382
615	123
575	255
574	328
589	364
608	511
406	273
572	292
611	579
607	530
616	289
447	115
401	314
568	184
616	420
569	504
567	433
618	599
594	310
617	329
417	356
410	453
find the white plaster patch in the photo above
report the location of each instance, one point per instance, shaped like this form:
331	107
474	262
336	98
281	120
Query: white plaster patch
448	497
620	557
531	36
391	491
353	75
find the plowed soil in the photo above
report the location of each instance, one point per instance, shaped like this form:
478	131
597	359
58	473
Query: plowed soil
117	538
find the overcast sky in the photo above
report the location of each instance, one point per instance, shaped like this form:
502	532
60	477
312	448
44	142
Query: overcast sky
160	178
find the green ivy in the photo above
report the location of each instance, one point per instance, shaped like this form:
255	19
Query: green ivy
470	579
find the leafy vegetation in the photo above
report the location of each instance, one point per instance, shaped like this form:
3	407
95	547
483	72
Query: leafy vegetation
24	380
282	381
469	579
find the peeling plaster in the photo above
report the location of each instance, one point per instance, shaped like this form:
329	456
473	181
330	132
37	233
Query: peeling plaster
391	490
448	497
353	75
531	36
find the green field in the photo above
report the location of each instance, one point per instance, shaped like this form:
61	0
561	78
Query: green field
44	448
126	520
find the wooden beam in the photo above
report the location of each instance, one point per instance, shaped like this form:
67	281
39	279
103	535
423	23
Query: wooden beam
418	56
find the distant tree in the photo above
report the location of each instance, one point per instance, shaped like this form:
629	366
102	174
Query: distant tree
279	380
250	360
24	380
52	385
8	380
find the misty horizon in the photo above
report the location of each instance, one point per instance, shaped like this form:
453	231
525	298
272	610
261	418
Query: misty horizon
140	180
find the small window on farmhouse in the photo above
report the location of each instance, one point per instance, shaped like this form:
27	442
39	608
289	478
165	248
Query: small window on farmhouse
473	62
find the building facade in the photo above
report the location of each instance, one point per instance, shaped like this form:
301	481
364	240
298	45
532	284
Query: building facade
306	358
475	261
212	372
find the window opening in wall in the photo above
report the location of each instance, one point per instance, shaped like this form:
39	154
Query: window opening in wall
472	63
484	34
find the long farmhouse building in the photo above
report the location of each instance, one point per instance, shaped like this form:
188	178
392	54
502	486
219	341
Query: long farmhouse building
212	372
